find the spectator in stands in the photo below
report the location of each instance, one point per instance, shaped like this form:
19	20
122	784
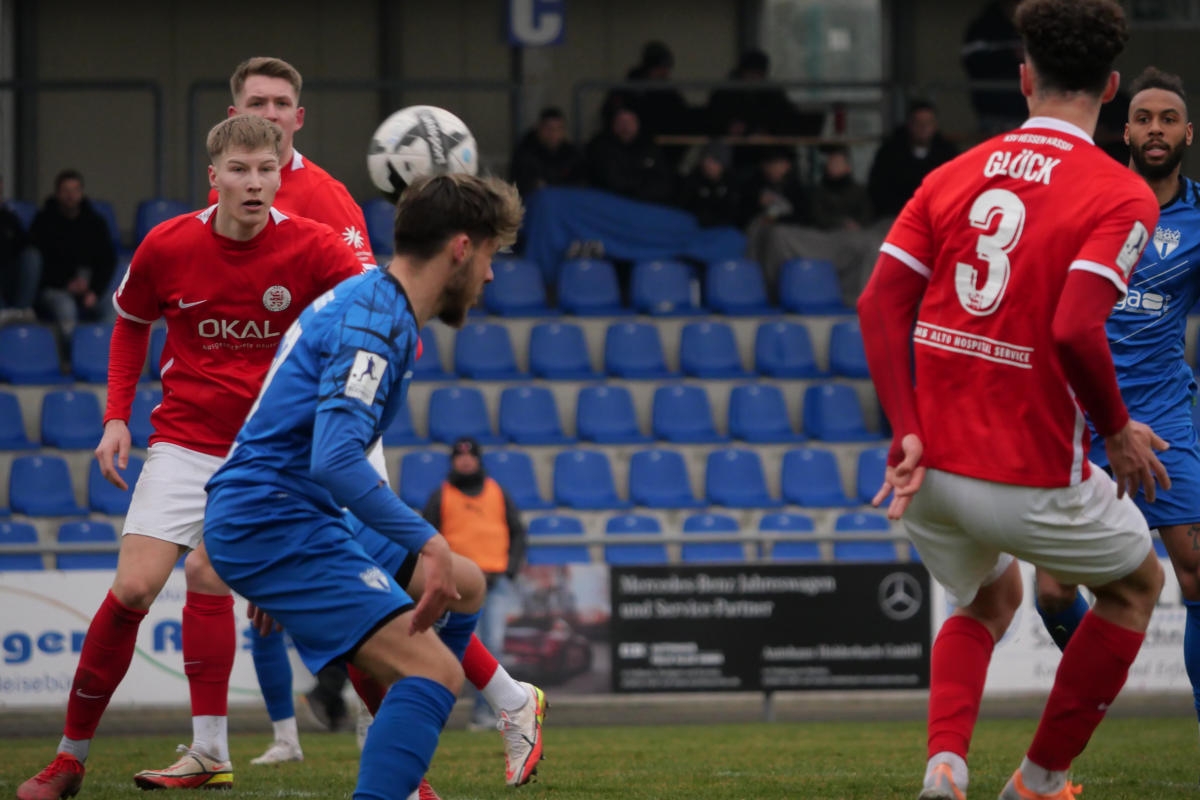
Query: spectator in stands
774	193
78	257
709	192
910	153
20	268
662	110
839	201
992	51
621	159
480	521
544	157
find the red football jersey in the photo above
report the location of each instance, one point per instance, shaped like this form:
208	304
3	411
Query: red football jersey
996	231
306	190
226	304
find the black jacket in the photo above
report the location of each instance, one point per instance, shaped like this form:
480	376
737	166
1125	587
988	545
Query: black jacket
534	166
896	171
69	245
13	238
636	170
712	203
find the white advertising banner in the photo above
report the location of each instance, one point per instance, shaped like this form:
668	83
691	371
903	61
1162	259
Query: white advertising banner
1025	660
45	615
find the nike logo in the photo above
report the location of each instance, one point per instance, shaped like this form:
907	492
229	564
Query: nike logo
85	696
189	305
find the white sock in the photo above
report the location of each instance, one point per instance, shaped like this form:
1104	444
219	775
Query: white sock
285	730
210	735
1041	780
503	693
958	767
75	747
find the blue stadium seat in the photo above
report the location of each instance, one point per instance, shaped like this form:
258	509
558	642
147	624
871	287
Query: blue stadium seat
558	351
429	366
86	531
513	470
108	213
659	479
103	497
25	211
529	415
40	486
589	288
662	288
71	420
683	415
832	413
872	464
859	550
12	424
709	350
89	352
785	350
583	479
711	552
484	351
736	287
19	533
634	350
555	525
380	216
517	289
29	355
140	428
605	415
401	432
734	478
784	522
158	341
758	413
846	354
421	472
810	286
810	478
630	554
153	211
456	411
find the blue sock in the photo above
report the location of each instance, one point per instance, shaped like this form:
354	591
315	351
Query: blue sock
402	739
274	672
455	631
1061	626
1191	649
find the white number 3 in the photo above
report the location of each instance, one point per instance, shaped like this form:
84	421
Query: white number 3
992	248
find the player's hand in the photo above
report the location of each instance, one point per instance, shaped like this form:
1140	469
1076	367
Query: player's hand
115	443
1133	460
903	480
261	620
439	589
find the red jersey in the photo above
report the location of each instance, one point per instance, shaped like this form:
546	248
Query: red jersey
306	190
995	232
226	304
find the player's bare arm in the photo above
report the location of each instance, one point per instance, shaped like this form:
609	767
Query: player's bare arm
114	444
439	589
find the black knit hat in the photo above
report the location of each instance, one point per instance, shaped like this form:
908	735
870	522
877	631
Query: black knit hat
465	444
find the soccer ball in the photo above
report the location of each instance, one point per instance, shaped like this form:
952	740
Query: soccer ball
418	141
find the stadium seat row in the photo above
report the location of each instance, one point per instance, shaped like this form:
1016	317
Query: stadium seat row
148	213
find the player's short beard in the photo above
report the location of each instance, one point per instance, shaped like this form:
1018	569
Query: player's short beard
456	297
1164	169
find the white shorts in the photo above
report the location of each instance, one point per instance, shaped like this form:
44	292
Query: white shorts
967	531
168	500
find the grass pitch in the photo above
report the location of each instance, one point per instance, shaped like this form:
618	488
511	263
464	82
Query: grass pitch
1127	759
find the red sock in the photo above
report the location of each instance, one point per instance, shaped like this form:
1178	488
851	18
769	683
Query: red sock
209	644
1092	671
479	665
103	662
369	690
958	670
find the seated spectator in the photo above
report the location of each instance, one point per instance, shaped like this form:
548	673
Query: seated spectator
911	152
709	192
544	157
623	161
992	51
78	258
774	192
20	268
839	201
662	110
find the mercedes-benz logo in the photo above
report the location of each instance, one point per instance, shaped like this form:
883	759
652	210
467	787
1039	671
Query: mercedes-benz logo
900	596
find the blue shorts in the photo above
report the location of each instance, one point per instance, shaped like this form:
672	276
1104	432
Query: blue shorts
301	566
395	560
1179	505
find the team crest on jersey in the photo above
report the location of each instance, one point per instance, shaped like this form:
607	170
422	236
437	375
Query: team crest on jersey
277	298
374	578
1165	241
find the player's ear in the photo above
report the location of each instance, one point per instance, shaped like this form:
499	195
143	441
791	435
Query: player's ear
1125	136
231	111
1110	88
1187	137
212	176
460	246
1026	79
299	117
